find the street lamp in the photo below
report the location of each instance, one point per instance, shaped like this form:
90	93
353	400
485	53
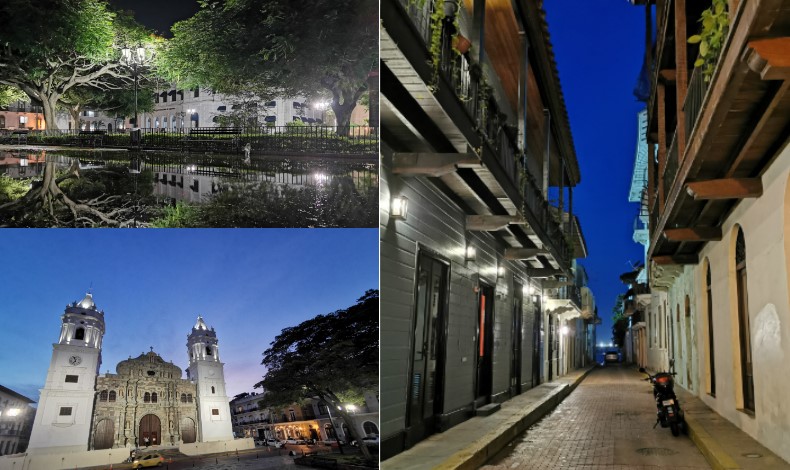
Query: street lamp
135	58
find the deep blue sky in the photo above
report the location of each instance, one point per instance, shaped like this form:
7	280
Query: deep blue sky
599	47
152	285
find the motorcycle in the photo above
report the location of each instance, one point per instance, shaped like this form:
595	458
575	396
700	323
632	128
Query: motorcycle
669	413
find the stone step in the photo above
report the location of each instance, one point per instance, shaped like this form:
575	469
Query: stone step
488	409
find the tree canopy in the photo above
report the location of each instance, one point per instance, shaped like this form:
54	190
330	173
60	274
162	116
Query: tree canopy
279	47
333	357
77	44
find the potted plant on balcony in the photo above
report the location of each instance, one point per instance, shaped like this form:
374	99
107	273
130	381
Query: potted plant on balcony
715	26
461	44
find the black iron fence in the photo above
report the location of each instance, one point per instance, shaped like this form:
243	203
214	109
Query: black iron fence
694	97
279	140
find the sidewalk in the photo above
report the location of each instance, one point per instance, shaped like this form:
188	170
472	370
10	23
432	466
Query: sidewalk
471	443
723	444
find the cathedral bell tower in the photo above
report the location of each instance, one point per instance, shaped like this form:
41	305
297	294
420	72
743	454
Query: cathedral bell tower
206	370
65	407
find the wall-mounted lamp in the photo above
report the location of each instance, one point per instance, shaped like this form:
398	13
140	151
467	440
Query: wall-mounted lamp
471	253
399	207
564	330
500	271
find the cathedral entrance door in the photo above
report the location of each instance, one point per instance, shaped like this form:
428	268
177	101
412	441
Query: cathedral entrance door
187	430
150	428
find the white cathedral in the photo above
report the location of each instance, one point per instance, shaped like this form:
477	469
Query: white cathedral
146	402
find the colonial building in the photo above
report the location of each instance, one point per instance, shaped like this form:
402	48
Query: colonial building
719	199
146	402
16	421
22	115
480	295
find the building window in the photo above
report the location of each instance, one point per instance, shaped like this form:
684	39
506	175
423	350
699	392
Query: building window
189	398
208	350
322	409
197	92
2	122
103	395
22	121
215	412
212	389
183	398
153	397
271	104
709	306
72	379
293	415
370	428
112	395
747	376
79	334
65	411
147	397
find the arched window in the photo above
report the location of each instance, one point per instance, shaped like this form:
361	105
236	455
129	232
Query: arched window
147	397
212	389
208	350
189	398
183	398
709	308
79	334
112	395
103	395
153	397
370	428
747	377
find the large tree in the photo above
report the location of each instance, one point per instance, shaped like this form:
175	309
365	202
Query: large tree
333	357
312	48
76	43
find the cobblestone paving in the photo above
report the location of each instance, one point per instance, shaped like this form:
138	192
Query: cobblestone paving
606	423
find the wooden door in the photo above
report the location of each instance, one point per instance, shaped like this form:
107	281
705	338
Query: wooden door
188	434
104	437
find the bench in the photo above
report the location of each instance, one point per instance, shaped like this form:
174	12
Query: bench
213	139
90	138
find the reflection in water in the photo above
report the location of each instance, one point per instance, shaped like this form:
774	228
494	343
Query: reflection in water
168	179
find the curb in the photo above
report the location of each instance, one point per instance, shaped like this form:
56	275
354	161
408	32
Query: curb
717	457
480	451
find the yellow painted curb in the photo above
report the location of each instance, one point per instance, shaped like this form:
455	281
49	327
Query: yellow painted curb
717	457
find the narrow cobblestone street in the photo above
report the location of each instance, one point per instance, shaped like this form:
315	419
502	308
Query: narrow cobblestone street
606	423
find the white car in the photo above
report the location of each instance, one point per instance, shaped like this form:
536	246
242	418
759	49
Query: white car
273	442
293	440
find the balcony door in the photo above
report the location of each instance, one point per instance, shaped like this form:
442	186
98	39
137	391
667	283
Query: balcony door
515	356
427	358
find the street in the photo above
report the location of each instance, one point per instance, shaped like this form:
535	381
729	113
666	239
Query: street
607	422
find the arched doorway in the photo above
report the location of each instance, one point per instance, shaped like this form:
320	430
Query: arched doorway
188	434
151	429
104	436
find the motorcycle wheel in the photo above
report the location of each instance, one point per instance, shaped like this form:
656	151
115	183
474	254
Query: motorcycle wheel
675	429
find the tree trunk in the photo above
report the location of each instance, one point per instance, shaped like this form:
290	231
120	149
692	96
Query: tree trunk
343	104
332	400
48	102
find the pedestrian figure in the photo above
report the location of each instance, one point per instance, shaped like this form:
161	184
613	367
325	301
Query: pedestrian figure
145	440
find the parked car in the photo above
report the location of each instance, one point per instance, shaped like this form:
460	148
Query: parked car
150	460
273	442
295	441
611	356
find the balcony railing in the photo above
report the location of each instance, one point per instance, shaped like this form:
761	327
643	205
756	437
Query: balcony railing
22	109
671	166
694	97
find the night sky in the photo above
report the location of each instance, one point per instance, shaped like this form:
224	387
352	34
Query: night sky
599	47
158	15
152	285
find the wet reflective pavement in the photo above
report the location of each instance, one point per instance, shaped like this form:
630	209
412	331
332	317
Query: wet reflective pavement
605	423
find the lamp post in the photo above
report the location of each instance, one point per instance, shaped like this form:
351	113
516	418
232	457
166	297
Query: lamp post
135	58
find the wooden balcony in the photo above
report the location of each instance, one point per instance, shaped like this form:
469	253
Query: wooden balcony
454	129
731	128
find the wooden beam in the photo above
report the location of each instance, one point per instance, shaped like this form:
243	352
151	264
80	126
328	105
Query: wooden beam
543	272
524	253
769	57
693	234
727	188
432	164
491	223
681	83
675	259
667	75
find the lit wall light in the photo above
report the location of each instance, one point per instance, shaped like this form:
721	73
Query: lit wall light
471	253
500	271
564	330
399	207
